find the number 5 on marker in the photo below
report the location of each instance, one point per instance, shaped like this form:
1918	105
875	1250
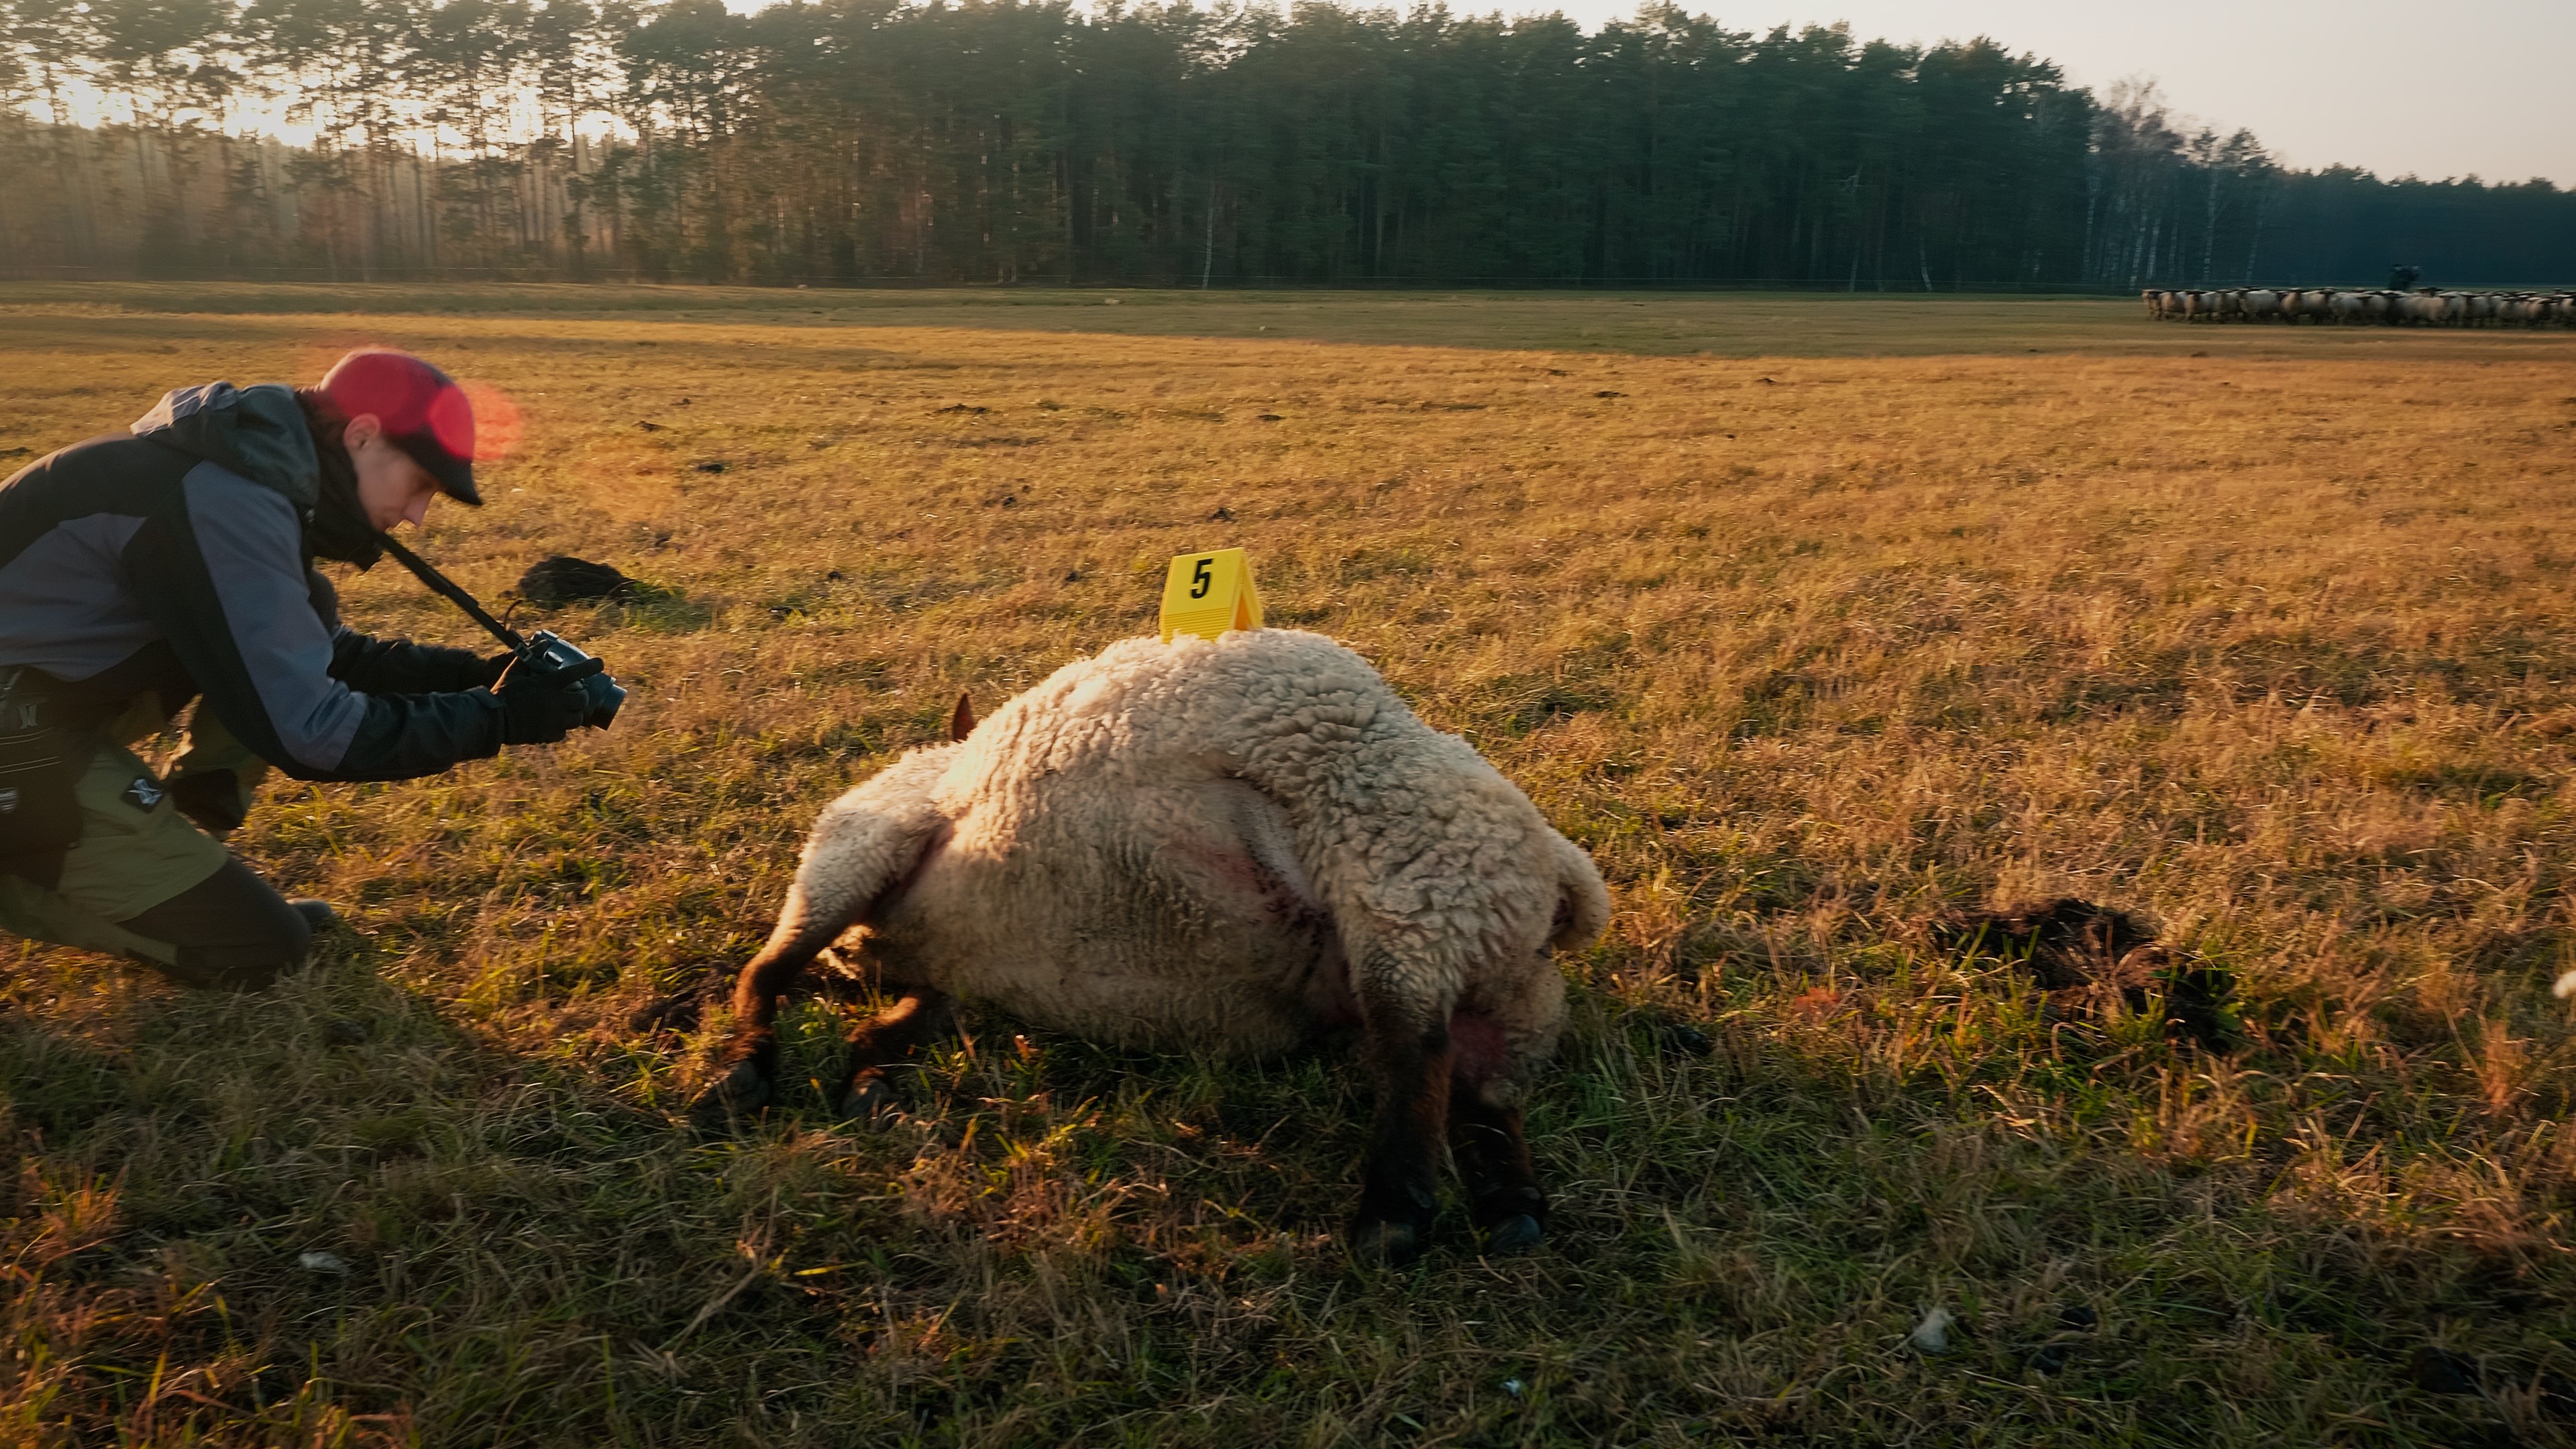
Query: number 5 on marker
1208	593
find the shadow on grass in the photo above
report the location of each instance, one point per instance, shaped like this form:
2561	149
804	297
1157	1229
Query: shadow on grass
296	1216
1745	1233
525	1246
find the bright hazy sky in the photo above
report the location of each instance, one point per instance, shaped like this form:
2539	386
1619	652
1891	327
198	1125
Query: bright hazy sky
2439	89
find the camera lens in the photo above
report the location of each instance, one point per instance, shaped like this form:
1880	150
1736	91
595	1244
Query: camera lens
604	695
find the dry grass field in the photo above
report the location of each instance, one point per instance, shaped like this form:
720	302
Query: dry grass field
1816	620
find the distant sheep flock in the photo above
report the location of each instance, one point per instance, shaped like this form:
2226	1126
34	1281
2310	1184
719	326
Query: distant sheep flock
2426	308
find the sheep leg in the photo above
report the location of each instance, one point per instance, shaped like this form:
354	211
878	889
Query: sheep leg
748	1063
1494	1157
1486	1139
864	847
1412	1069
920	1014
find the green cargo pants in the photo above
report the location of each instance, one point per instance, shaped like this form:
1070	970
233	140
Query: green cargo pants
144	882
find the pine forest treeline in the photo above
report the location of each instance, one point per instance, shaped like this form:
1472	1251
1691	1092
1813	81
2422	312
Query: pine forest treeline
854	141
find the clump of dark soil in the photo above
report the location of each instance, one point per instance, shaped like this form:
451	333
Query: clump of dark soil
554	582
2086	955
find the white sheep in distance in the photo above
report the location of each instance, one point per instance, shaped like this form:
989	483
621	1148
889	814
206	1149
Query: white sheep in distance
1231	847
2423	308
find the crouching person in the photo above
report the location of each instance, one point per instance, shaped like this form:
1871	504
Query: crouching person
175	562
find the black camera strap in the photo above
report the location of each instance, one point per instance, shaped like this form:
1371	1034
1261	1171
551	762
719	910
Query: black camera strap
446	588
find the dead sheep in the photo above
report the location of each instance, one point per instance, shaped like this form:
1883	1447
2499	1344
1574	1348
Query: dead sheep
1233	847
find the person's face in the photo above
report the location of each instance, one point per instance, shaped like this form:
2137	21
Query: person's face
391	487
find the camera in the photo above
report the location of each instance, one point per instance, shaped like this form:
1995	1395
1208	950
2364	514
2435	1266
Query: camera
547	653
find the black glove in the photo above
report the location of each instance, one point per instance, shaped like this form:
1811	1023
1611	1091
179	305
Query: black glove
539	707
488	673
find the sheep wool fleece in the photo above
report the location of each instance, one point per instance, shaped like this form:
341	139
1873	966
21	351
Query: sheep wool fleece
1224	845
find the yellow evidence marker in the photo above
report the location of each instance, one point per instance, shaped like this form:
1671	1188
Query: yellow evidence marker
1208	593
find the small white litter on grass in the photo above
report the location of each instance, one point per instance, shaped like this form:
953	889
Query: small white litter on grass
2565	990
324	1262
1512	1387
1932	1335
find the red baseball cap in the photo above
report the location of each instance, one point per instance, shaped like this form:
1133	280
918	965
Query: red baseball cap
424	412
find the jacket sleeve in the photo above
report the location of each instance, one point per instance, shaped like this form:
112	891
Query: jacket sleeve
399	666
394	666
223	576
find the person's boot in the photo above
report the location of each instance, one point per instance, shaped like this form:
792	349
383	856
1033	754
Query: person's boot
319	914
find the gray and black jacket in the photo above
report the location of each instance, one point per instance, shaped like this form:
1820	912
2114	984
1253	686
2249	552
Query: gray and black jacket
178	560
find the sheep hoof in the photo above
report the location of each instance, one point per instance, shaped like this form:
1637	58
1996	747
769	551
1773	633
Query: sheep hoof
1385	1241
1515	1234
868	1099
737	1094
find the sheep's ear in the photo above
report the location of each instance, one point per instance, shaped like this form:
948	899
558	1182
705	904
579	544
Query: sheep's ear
962	723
